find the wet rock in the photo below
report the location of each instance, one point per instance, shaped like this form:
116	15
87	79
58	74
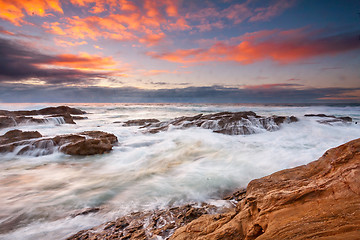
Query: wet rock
18	135
330	119
59	115
86	211
320	200
140	122
87	147
11	121
316	201
66	117
84	143
147	225
51	111
237	123
79	118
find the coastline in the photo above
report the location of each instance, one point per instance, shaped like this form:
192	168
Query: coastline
49	152
318	200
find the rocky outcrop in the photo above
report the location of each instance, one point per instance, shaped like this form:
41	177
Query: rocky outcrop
91	143
149	224
238	123
32	143
320	200
330	119
44	111
58	115
140	122
17	136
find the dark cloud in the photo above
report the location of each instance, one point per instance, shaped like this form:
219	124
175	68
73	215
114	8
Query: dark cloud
19	62
212	94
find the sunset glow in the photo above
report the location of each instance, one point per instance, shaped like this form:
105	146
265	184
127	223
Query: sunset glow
158	46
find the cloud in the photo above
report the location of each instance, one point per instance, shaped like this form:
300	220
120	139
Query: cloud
83	61
20	63
271	86
275	9
14	10
215	17
212	94
280	46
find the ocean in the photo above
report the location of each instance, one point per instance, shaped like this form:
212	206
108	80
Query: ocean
40	194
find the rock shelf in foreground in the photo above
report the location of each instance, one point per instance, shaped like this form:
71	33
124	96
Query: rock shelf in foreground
320	200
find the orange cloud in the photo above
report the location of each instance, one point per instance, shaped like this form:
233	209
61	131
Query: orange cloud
275	45
64	43
15	10
158	72
83	61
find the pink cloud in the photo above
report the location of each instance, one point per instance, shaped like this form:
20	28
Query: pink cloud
274	45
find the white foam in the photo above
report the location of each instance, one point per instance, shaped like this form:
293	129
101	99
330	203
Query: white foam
148	171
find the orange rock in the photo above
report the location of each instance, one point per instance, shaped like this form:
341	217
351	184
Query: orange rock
320	200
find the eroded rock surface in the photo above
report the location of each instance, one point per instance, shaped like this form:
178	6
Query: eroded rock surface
59	115
32	143
320	200
330	119
159	224
238	123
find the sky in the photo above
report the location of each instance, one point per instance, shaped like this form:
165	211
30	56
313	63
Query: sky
226	51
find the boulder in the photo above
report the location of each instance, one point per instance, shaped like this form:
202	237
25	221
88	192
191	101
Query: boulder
87	147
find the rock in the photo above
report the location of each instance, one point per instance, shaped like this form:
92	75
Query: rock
147	225
320	200
51	111
330	119
66	117
18	135
84	143
79	117
86	211
61	114
12	121
87	147
238	123
140	122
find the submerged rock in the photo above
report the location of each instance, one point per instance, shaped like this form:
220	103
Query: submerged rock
58	115
238	123
330	119
84	143
320	200
140	122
